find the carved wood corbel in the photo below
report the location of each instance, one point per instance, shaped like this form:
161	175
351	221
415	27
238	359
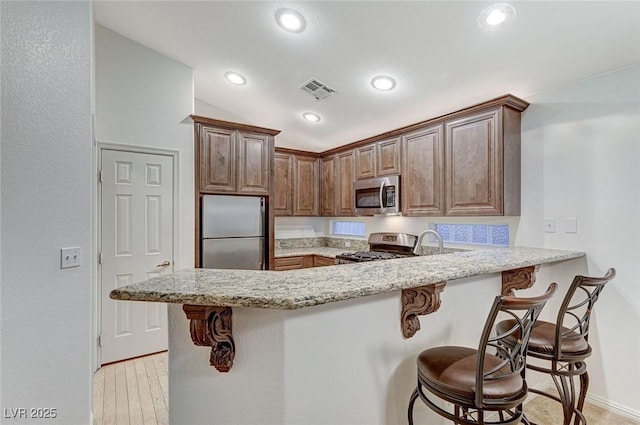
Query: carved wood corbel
419	302
211	327
517	279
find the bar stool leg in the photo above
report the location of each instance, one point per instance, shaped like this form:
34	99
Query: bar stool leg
584	386
412	401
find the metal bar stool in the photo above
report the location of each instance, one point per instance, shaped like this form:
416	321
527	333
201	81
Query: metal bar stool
565	344
478	381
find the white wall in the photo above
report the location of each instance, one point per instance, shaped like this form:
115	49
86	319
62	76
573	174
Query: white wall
46	205
205	109
580	155
144	98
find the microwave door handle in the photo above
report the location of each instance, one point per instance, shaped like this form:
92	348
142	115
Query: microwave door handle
380	194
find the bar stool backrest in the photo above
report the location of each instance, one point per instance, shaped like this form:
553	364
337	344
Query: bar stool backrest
574	315
524	311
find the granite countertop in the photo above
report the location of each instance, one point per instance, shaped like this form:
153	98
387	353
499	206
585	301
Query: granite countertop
289	290
316	250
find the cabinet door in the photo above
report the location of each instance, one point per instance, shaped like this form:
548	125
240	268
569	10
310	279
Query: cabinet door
423	172
217	160
474	165
328	186
388	157
254	157
366	162
305	186
345	178
283	182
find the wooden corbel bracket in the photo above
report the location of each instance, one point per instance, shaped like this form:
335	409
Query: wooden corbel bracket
518	279
419	302
211	327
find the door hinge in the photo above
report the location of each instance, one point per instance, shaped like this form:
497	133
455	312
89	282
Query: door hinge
100	176
99	340
99	258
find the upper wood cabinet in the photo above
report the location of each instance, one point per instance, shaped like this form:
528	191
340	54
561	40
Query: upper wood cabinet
328	186
254	165
297	183
345	176
305	186
283	184
482	168
366	161
388	157
422	180
233	158
336	185
378	159
217	159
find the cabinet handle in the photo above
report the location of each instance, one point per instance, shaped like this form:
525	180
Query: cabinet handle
164	264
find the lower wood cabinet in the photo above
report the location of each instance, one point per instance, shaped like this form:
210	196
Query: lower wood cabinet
302	262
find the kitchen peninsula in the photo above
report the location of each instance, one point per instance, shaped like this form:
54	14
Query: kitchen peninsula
324	345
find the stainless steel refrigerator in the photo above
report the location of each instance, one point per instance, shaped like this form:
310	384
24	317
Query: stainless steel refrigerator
232	232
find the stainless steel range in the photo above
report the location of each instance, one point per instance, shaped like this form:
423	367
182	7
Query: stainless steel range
382	246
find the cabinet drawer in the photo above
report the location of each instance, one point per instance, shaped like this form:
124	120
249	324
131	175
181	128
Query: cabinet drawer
319	261
288	263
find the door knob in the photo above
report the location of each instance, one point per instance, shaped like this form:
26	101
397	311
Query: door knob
164	264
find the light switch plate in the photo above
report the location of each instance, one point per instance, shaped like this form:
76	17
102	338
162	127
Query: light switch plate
550	225
571	225
69	257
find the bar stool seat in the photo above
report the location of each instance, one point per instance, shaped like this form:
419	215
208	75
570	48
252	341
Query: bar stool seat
452	370
483	381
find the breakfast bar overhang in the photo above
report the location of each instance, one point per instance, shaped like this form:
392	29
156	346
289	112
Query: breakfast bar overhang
331	345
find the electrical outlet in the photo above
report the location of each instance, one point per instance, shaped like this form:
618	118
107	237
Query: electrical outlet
69	257
550	225
347	244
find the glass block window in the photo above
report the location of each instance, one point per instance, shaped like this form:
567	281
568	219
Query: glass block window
474	234
347	228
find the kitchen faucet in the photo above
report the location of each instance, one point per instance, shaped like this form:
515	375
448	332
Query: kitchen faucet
418	248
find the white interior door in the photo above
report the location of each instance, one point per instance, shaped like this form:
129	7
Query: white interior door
136	244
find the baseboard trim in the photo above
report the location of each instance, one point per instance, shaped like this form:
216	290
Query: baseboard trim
598	401
614	407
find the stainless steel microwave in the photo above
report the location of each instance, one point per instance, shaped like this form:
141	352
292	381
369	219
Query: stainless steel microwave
379	196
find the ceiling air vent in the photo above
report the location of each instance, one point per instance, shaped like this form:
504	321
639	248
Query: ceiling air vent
317	89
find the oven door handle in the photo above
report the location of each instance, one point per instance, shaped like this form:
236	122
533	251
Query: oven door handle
380	194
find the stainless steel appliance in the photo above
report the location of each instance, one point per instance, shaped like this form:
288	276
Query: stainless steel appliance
379	196
232	232
382	246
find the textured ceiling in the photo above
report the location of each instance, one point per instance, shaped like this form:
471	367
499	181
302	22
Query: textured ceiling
440	57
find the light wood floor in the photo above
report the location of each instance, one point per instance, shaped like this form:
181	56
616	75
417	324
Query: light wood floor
133	392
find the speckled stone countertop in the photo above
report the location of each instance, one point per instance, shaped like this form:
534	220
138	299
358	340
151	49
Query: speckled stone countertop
315	250
289	290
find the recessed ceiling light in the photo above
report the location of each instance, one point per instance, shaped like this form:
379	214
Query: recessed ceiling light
311	117
497	14
383	82
290	20
235	78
